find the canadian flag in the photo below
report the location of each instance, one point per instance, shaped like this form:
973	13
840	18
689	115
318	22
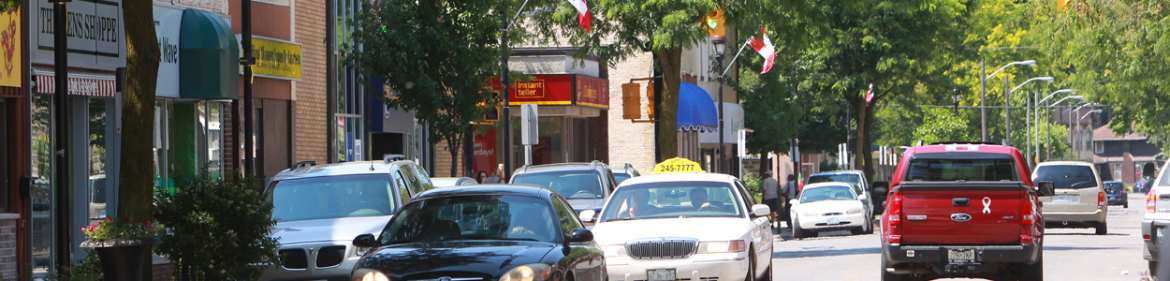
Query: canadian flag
765	48
583	16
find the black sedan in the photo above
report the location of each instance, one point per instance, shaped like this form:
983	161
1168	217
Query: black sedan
1116	194
482	233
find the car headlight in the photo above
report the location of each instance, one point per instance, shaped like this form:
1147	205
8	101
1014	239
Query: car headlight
854	211
528	272
369	274
614	250
722	247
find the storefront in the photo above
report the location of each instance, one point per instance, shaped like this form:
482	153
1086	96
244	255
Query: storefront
93	118
13	142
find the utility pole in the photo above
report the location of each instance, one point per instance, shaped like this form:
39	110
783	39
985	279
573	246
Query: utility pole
1007	111
983	98
504	110
64	230
247	62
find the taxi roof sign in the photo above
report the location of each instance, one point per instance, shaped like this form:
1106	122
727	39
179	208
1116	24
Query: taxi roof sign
677	165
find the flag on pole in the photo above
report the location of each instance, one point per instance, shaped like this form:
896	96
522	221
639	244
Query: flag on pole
764	47
583	16
869	94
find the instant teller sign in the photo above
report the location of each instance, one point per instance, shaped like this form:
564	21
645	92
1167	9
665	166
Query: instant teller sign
677	165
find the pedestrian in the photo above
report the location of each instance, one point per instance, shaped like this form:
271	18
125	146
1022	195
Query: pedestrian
771	188
495	178
790	191
479	177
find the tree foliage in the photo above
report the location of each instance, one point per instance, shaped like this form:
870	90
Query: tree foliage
436	56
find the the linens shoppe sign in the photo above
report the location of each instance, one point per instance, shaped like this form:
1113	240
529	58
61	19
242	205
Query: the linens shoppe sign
95	31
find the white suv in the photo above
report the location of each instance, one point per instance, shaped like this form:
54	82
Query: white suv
1079	200
1157	217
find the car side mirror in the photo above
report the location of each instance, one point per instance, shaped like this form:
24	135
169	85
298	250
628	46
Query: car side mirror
1046	188
761	210
365	241
794	202
580	235
862	197
587	216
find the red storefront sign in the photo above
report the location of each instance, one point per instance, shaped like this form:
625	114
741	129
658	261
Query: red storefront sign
558	89
484	150
592	92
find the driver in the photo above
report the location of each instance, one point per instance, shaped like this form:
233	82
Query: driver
639	204
699	199
529	224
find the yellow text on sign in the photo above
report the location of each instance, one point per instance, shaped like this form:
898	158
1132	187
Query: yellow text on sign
677	165
276	59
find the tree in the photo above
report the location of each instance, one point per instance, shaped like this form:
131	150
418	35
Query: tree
135	190
437	56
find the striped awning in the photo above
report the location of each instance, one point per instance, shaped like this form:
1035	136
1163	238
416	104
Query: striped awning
81	82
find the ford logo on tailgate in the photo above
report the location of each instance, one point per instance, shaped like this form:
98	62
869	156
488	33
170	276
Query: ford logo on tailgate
961	217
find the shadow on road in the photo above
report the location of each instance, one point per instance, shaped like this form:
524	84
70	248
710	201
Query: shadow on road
814	253
1078	248
1085	234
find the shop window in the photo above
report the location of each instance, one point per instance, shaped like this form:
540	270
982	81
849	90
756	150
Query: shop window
42	168
1099	147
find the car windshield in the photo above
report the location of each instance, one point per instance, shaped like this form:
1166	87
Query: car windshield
851	179
332	197
673	200
1066	176
977	169
479	217
823	193
620	177
570	184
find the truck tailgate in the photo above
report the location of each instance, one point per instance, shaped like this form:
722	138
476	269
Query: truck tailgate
961	213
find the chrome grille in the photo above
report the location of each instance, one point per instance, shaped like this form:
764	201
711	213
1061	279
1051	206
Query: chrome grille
662	248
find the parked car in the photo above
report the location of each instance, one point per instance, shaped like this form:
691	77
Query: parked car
1143	186
624	173
449	182
963	210
1157	217
1115	194
829	206
320	208
482	233
684	226
586	185
1080	196
854	178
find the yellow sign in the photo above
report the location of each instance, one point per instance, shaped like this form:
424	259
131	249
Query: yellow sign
10	45
677	165
276	59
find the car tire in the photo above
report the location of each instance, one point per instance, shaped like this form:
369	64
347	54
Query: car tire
1102	228
869	226
797	233
1033	272
751	273
767	273
857	231
1126	205
1153	269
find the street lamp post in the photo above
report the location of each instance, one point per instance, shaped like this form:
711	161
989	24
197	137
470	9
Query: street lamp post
983	90
1036	115
955	99
1078	105
1090	127
720	43
1048	140
1007	105
61	137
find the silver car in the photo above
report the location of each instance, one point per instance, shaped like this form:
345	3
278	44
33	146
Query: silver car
1080	196
1157	217
321	208
586	185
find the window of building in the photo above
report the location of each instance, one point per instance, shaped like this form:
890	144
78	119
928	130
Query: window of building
350	96
1116	171
1099	147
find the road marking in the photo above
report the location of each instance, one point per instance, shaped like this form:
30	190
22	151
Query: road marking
855	275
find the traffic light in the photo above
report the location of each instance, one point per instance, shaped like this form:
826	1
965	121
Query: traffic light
492	115
650	105
631	101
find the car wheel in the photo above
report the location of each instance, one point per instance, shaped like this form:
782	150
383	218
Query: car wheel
797	233
768	273
1102	228
1126	205
751	274
869	226
1153	268
1033	272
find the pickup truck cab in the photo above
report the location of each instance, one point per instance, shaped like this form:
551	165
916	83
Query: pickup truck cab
963	210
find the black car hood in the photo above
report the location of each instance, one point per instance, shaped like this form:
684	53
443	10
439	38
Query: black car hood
476	257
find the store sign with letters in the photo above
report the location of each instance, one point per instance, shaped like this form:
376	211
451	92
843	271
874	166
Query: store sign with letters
10	45
96	37
592	92
275	59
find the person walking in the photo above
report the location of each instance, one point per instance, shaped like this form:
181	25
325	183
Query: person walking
771	188
495	178
790	191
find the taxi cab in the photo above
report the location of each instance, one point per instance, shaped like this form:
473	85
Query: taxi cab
684	224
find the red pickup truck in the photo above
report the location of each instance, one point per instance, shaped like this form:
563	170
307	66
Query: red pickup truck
963	210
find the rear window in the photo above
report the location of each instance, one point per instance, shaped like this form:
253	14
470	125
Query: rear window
851	179
1067	176
1115	187
980	169
570	184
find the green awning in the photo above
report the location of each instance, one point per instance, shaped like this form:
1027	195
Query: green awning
209	67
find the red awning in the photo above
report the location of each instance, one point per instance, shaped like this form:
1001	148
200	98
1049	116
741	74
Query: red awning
81	82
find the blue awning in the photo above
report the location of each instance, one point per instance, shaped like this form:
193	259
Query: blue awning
696	110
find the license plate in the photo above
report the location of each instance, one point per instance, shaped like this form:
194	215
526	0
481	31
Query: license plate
834	221
1066	198
660	275
961	255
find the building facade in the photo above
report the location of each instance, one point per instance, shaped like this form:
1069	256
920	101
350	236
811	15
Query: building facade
1121	158
14	142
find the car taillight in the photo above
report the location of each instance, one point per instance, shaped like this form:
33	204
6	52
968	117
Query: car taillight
1100	199
1151	203
1123	191
1028	230
893	235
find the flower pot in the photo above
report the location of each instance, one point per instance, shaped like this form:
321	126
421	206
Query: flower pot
122	258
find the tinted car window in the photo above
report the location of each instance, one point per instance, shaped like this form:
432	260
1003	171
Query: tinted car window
962	169
672	200
1067	176
851	179
332	197
1115	187
484	217
620	177
827	193
568	221
570	184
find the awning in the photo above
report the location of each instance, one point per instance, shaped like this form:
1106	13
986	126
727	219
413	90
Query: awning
696	110
81	82
209	68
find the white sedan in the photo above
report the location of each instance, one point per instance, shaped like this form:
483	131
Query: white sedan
829	206
684	226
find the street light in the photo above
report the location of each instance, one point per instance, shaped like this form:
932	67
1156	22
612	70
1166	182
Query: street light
983	90
720	43
1078	105
1081	147
1007	105
1048	126
1036	117
955	97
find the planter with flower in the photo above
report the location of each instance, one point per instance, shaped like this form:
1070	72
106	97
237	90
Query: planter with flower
122	245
